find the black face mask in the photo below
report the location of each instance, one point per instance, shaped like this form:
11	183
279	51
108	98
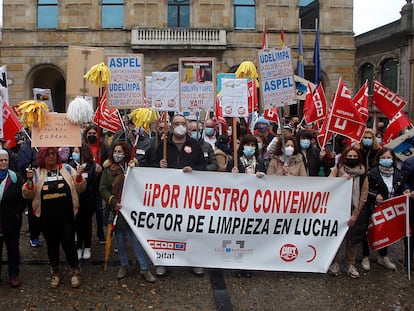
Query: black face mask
91	139
351	162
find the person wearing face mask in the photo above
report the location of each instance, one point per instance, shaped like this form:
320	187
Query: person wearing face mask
83	221
195	132
311	154
351	165
248	161
262	150
262	126
385	182
110	188
287	162
182	152
100	154
209	132
369	147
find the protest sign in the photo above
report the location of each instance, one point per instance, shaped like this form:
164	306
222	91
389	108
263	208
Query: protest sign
234	97
58	131
197	83
165	91
126	89
277	83
44	95
237	221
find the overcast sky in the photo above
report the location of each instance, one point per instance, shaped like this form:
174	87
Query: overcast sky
370	14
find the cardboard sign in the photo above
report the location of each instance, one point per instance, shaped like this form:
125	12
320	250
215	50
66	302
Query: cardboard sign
58	131
80	60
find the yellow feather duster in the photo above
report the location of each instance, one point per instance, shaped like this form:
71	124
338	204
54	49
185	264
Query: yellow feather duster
142	117
99	74
247	70
32	112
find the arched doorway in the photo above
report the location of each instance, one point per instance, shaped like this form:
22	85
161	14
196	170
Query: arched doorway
49	77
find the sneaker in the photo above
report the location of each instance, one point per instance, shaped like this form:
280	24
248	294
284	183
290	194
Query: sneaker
198	271
161	271
386	262
122	272
334	269
55	280
365	264
80	251
102	240
147	275
352	271
86	253
115	249
75	280
35	243
15	281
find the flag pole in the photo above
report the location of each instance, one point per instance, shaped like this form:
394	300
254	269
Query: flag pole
407	233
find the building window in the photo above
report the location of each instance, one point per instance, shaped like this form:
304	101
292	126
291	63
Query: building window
389	74
367	72
47	14
179	13
308	13
112	13
244	14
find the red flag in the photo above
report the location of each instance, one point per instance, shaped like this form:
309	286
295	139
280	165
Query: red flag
11	125
271	115
253	103
387	223
107	119
315	105
282	38
218	107
387	101
397	124
323	135
264	39
361	101
345	118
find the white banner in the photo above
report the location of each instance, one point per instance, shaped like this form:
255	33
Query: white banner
237	221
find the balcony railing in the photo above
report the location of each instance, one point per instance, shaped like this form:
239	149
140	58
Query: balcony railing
180	37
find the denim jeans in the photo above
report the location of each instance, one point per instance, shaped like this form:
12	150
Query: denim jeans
121	235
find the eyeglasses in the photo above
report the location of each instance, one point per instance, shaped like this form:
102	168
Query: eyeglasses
51	154
4	160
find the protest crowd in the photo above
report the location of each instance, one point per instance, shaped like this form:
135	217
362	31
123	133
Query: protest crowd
62	188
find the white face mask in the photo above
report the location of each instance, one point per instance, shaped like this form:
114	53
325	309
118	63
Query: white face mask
289	151
180	130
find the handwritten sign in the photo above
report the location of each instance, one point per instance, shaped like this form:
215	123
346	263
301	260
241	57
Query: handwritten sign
57	132
165	91
197	83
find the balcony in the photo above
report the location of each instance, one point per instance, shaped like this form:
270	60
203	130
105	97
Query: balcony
178	38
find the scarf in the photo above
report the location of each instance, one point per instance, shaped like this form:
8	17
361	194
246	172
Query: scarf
355	173
118	182
249	164
386	171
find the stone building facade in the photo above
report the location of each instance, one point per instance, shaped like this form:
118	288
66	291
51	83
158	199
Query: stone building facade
37	56
387	54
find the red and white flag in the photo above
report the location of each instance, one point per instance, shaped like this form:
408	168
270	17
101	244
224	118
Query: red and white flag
271	115
361	101
344	118
315	105
252	99
107	118
389	102
387	224
397	124
11	125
